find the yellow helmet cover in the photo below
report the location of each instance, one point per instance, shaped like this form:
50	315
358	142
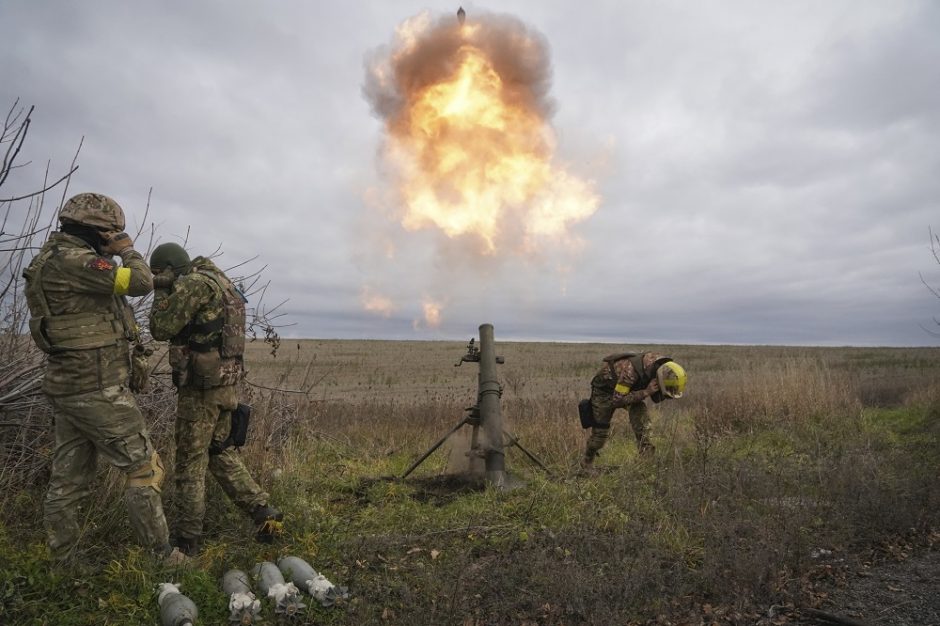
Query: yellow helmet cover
672	379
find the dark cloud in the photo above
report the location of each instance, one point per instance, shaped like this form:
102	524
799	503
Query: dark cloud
768	170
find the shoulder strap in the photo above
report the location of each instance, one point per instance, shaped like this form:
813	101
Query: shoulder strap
642	379
218	289
230	326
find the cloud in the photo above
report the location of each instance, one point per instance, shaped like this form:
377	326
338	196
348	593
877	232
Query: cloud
768	169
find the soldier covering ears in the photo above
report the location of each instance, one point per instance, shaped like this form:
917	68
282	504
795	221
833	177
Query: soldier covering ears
202	314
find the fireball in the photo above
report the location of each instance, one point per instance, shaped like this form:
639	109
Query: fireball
468	137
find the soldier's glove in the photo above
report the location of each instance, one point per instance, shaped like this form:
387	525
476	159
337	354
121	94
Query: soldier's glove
164	280
116	243
140	369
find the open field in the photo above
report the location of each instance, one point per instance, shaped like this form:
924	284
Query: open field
781	471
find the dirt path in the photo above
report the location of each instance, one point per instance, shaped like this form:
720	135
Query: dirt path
898	593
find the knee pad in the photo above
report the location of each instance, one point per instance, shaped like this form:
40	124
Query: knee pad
148	475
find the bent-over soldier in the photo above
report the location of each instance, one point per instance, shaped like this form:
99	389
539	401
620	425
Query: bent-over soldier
80	318
202	314
624	382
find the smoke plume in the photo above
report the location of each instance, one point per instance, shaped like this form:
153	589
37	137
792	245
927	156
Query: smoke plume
468	151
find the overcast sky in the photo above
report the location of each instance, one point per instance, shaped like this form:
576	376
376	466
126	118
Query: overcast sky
768	171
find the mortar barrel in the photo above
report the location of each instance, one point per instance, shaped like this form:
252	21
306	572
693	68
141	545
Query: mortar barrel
491	417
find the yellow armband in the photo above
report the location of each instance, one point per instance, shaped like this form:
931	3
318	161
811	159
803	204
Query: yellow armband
122	280
622	389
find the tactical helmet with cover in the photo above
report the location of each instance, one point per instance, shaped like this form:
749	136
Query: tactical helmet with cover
172	256
95	210
672	379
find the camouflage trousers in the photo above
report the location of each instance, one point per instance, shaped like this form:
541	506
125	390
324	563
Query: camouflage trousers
106	422
602	406
204	416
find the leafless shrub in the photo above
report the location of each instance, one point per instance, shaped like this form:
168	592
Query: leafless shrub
24	415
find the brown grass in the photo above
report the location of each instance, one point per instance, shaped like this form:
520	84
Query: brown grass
774	452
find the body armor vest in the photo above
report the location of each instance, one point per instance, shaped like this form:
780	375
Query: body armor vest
73	331
88	349
231	339
643	379
217	361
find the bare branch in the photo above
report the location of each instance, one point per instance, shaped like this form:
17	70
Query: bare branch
244	263
927	285
294	391
74	167
43	190
15	144
28	235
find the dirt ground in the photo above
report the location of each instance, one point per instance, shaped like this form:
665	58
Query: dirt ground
893	593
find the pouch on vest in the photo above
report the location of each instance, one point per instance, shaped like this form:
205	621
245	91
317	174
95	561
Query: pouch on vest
231	372
38	334
586	413
131	330
231	340
179	363
206	369
140	369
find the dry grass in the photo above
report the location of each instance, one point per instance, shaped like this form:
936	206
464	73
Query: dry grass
774	452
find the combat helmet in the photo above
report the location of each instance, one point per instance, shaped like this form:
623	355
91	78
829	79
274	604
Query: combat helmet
170	255
672	379
95	210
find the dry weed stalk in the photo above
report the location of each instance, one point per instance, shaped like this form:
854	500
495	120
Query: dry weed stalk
25	415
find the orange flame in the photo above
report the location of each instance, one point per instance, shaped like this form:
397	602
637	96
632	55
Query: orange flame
432	313
374	302
468	135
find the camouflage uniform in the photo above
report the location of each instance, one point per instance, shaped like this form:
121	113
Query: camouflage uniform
622	383
80	318
190	315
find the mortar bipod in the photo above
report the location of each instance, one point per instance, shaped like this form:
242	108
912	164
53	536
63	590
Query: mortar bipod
485	414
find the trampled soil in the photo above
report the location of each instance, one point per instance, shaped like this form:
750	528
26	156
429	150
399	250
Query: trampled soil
892	593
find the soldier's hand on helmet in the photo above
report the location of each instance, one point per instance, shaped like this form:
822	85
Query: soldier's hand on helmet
164	280
116	242
652	388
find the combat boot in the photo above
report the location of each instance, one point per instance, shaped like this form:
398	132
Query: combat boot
187	545
268	523
587	463
173	557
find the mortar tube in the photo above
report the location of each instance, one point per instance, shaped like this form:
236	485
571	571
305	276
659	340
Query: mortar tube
490	413
285	595
474	455
242	602
175	608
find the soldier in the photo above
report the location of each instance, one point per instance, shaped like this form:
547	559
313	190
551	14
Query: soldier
625	381
198	309
80	318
